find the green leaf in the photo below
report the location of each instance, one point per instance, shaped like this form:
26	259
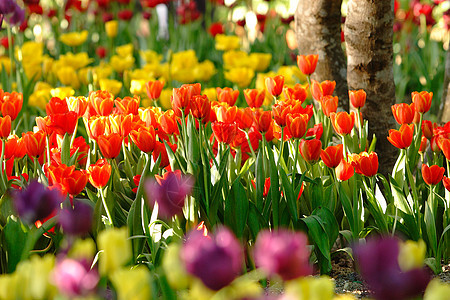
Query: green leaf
274	188
15	241
430	227
259	173
348	210
291	199
400	200
65	150
236	209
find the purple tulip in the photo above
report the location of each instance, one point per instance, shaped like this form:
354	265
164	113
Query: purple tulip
169	192
18	16
216	260
36	202
14	13
284	253
74	278
7	7
76	220
378	265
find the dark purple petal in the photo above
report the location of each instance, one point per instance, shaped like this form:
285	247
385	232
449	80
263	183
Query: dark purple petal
18	16
217	261
76	220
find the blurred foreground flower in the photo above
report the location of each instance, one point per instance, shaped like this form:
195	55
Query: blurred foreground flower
378	262
76	220
216	260
36	202
284	253
74	39
169	192
116	250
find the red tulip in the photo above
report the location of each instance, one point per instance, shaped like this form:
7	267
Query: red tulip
325	88
342	122
74	182
154	89
446	182
403	113
432	175
403	137
144	138
5	126
275	85
227	95
128	105
357	98
310	150
224	132
344	171
329	104
422	101
110	145
364	163
101	103
307	63
297	125
34	143
263	120
201	108
99	173
11	104
332	155
297	93
254	97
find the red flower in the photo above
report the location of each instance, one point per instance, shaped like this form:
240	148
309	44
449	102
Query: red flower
144	138
128	105
125	14
34	143
446	182
297	93
344	171
254	97
154	89
357	98
422	101
180	99
62	123
329	104
110	145
216	28
101	103
201	107
343	122
227	95
224	132
96	126
274	85
364	163
332	155
77	104
101	52
403	113
325	88
427	129
99	173
432	175
297	124
168	122
75	181
307	63
263	120
5	126
11	104
56	106
403	137
160	150
310	150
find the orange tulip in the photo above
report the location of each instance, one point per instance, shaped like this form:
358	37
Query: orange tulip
403	113
144	138
56	106
274	85
150	116
110	145
444	144
160	150
201	108
180	100
263	120
34	143
11	104
432	175
99	173
344	171
310	150
5	126
154	89
101	103
329	104
357	98
227	95
128	105
254	97
403	137
168	122
244	118
225	113
364	163
325	88
297	93
120	124
342	122
77	104
96	126
446	182
427	128
423	144
224	132
297	125
62	123
280	110
307	63
75	181
332	155
422	101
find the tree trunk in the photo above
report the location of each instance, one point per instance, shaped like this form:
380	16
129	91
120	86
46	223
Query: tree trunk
445	102
369	39
318	29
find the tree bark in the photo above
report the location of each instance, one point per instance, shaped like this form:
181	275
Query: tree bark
318	29
445	102
369	40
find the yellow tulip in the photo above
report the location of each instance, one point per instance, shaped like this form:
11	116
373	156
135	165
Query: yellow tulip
111	85
68	76
116	250
101	71
30	51
437	290
76	61
173	268
137	87
211	93
204	70
5	63
62	92
412	255
82	248
39	98
154	70
125	50
235	59
259	62
74	39
150	56
164	99
132	284
226	42
240	76
140	74
288	74
84	74
111	28
120	64
311	288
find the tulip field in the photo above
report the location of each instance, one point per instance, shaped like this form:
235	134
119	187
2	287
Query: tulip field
160	149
